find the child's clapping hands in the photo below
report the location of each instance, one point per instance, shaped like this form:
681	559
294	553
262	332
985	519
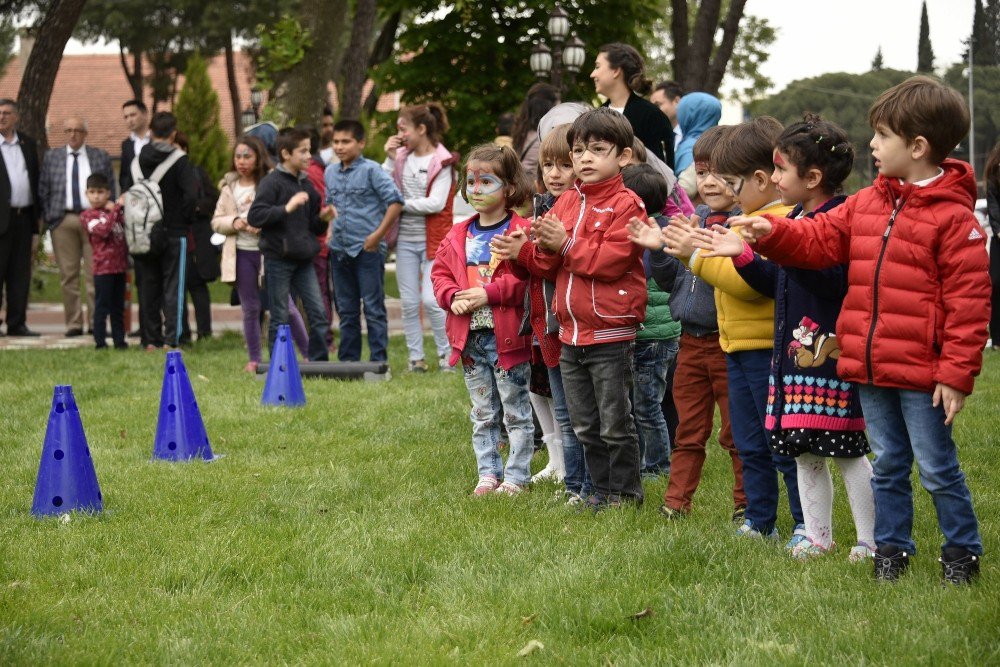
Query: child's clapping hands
549	232
468	300
645	233
508	246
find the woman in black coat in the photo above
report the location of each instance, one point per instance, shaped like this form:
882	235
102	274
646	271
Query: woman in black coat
620	75
993	210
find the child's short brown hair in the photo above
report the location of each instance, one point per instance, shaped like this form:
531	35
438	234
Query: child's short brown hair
555	146
706	143
507	167
602	124
923	107
747	147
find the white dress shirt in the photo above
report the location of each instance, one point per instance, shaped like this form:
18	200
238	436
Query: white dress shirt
83	173
17	172
138	142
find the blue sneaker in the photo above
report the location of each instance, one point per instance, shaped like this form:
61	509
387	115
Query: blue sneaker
747	530
799	538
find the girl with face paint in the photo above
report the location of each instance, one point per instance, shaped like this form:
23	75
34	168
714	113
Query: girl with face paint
484	300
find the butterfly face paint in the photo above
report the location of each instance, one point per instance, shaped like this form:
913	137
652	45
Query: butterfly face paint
479	183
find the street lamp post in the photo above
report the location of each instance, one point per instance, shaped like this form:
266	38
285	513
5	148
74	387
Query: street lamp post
566	53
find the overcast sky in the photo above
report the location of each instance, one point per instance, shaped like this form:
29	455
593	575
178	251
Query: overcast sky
815	37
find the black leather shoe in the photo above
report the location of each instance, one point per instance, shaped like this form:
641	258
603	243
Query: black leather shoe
74	332
22	331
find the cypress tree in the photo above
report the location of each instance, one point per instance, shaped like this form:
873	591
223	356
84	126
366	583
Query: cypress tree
197	112
877	62
925	54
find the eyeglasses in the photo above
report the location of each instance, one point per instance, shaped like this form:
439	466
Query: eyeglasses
75	130
598	150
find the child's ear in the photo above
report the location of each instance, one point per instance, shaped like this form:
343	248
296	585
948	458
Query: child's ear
761	179
813	178
920	148
625	157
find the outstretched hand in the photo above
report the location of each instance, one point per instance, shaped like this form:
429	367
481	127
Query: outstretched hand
751	228
678	238
646	233
718	242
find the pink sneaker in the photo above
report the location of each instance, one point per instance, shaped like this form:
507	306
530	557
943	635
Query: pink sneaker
487	485
509	489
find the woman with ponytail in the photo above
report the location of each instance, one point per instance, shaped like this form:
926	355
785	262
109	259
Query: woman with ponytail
620	75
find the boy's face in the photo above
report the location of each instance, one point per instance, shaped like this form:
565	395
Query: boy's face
98	197
298	160
557	174
892	153
753	191
597	160
346	147
712	189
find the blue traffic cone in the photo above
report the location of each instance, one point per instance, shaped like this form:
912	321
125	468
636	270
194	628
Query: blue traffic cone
180	431
284	383
66	477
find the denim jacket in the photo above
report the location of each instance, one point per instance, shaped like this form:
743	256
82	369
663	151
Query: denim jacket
361	193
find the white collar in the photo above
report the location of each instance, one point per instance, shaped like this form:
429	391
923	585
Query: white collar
926	181
135	137
81	149
13	142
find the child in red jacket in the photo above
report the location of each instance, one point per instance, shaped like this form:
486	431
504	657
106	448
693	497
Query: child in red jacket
600	301
913	325
484	300
105	225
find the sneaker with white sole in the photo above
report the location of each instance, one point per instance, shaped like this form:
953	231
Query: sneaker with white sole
860	553
547	474
487	484
509	489
747	530
799	538
443	364
417	366
809	549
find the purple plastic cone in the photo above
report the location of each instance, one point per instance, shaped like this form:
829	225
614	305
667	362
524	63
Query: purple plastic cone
284	382
67	480
180	431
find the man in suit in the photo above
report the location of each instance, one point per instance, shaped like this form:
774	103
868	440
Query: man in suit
19	216
137	120
62	191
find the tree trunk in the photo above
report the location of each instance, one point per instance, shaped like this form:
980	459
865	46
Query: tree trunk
133	76
730	31
381	52
43	65
695	65
355	61
234	91
302	92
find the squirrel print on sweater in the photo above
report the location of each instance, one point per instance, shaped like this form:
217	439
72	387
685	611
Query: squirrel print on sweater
812	349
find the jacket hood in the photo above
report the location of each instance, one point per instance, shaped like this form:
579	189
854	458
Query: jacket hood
154	153
957	184
696	112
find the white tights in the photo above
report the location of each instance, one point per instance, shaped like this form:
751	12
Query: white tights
816	493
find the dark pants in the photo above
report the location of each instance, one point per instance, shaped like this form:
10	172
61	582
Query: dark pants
995	298
321	265
109	301
15	265
360	281
197	287
597	380
748	382
281	276
158	275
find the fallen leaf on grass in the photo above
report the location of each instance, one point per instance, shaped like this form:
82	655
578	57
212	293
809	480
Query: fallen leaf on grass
645	613
202	377
528	620
530	647
122	434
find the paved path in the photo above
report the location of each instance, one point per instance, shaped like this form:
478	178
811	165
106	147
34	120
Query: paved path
47	319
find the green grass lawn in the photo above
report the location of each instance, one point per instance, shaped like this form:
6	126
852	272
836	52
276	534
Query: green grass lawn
343	533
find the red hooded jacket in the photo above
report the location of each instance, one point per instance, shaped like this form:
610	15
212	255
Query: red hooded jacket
918	296
505	293
599	276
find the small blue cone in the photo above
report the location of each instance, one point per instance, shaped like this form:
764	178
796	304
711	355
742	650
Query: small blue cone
284	382
66	477
180	431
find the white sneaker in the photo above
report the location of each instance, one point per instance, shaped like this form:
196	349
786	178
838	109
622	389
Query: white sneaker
555	470
548	473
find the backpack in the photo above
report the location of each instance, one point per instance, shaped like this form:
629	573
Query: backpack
144	204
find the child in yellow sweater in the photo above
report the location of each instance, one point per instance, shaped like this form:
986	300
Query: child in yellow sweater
743	158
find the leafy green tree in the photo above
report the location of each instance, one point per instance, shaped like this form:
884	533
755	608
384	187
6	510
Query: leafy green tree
986	106
473	58
877	62
197	114
985	33
8	32
839	97
925	54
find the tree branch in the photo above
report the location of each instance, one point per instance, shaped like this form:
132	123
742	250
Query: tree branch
679	32
730	30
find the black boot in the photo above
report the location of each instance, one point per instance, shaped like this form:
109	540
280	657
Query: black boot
890	562
958	565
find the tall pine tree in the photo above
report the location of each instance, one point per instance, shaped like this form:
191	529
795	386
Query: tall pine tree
877	62
197	112
986	33
925	54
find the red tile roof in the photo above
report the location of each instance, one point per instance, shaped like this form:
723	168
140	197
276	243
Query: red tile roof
100	78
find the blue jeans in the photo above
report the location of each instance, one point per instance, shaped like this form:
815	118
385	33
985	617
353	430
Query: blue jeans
653	359
597	380
360	280
491	387
748	383
904	426
577	478
280	276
